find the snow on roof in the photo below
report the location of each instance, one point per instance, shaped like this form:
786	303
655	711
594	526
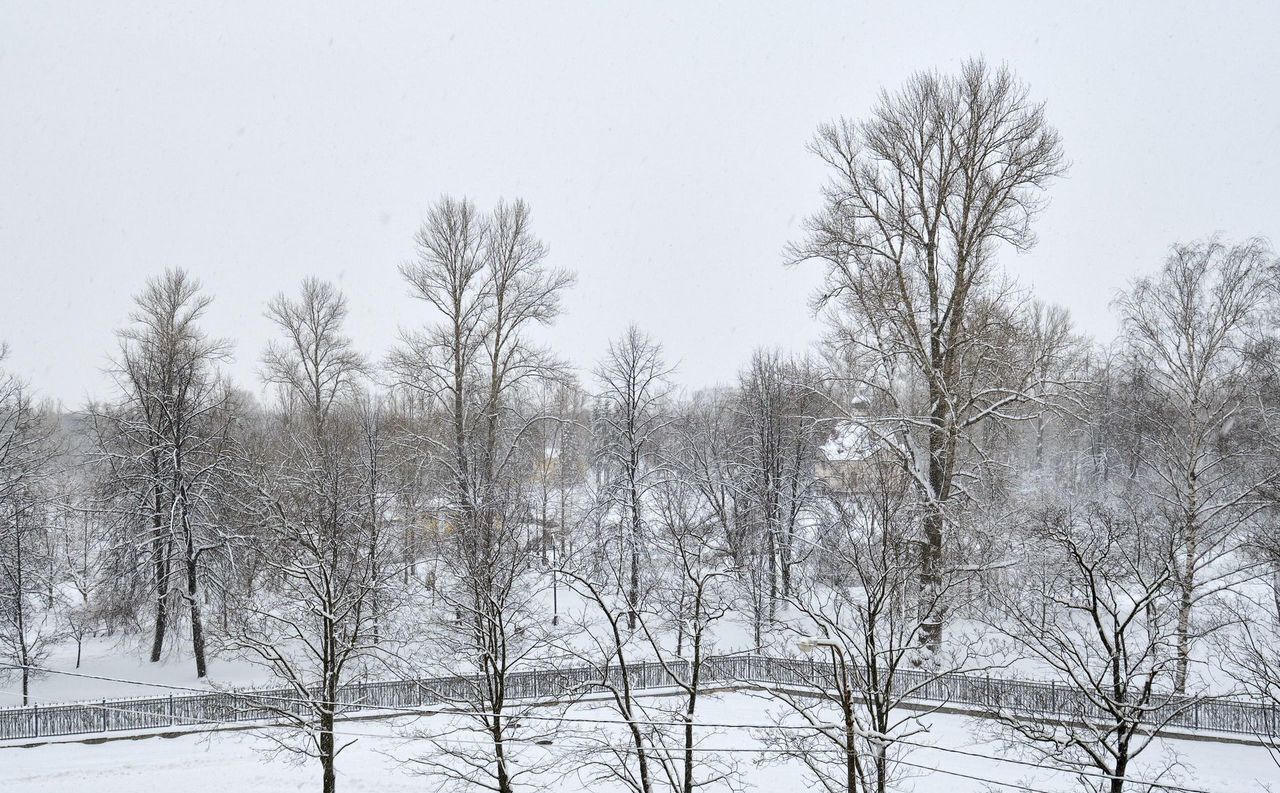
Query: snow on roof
850	441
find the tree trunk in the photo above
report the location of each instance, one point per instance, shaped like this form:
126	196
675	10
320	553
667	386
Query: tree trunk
695	675
160	559
1184	634
326	748
500	757
197	622
1187	585
931	609
851	752
633	594
931	582
1117	779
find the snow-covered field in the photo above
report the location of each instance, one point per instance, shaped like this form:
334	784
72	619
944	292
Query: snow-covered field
108	657
381	759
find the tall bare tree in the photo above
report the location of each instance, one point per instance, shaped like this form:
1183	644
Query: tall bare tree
165	442
634	384
1189	329
921	197
317	616
486	280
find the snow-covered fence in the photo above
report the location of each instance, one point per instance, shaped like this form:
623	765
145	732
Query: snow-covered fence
1012	697
978	693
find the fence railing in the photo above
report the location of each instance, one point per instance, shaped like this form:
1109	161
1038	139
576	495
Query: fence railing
977	693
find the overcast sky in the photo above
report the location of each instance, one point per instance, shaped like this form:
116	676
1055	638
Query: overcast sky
661	148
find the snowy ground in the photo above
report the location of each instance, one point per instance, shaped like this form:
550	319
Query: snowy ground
126	658
380	760
109	657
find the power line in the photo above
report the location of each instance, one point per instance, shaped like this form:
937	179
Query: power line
769	750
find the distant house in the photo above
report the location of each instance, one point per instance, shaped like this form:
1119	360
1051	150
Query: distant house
844	455
854	461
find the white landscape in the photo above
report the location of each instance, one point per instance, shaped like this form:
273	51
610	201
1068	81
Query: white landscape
656	399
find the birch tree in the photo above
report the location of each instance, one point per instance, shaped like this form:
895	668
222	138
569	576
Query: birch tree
1189	328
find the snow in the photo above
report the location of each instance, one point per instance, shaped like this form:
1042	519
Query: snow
223	761
850	442
111	657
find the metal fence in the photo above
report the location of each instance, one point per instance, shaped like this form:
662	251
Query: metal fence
976	693
1019	698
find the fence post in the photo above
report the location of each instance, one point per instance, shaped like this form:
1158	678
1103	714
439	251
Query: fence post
104	715
35	720
171	710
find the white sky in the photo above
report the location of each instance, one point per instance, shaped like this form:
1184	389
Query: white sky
661	148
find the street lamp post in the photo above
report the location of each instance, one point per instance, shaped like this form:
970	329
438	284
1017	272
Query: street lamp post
555	583
811	643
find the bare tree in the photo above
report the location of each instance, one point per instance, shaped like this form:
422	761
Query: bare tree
312	622
781	406
27	453
473	643
486	280
689	593
691	598
921	197
711	459
851	606
1251	657
1097	611
315	364
317	617
164	442
634	385
1189	328
561	454
83	551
